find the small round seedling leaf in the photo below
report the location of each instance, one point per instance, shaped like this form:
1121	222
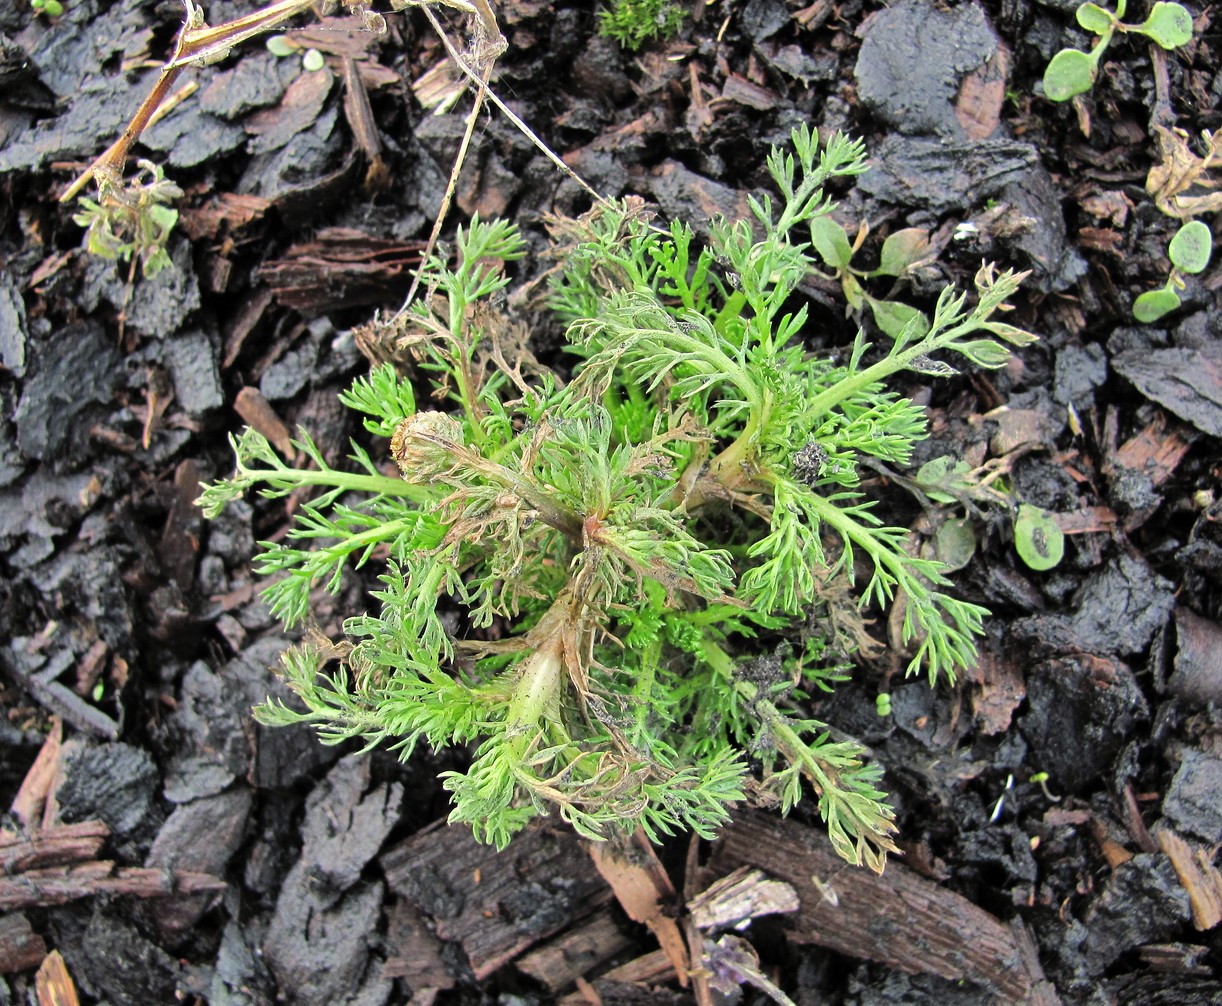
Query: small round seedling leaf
52	8
1169	25
955	543
893	317
312	60
1038	539
831	242
280	47
1153	304
943	473
1191	247
1070	72
1095	19
902	249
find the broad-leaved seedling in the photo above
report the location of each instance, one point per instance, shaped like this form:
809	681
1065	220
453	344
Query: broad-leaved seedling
1190	250
132	222
1038	539
619	590
902	251
1072	72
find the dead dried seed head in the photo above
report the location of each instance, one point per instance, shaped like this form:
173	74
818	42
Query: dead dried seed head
423	445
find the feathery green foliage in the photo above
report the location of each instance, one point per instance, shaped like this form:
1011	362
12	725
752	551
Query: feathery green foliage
635	536
632	23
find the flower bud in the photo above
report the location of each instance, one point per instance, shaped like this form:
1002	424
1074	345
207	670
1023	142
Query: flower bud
423	445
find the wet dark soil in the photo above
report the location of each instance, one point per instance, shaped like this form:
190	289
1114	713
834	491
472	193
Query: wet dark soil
1059	808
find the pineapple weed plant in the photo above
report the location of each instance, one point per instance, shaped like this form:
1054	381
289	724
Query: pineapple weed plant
620	540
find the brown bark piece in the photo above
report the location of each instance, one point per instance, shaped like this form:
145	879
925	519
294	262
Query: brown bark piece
642	887
1087	520
981	94
742	91
259	414
272	128
54	984
20	947
55	846
744	895
31	798
227	212
38	888
1198	658
341	268
248	316
899	919
575	953
414	953
1198	876
497	905
1154	451
179	545
640	981
1000	690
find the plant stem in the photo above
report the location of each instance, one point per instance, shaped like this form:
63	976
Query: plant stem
888	365
378	485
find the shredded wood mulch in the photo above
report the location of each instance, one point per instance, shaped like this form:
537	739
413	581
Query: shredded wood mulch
1060	808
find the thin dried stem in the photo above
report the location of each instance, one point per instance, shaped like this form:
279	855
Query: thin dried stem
479	74
196	44
487	45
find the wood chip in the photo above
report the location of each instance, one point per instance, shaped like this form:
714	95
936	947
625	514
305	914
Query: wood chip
40	888
1198	658
1155	451
248	316
981	95
1087	520
927	929
744	895
1198	876
535	888
742	91
645	893
56	846
20	947
341	268
28	804
576	953
1000	689
179	545
261	416
54	984
225	213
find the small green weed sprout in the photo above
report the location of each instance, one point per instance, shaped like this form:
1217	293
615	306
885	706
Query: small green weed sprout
633	23
1190	250
1038	539
132	222
1072	72
51	8
652	561
901	252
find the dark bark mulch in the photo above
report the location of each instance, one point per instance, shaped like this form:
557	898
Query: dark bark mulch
170	849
